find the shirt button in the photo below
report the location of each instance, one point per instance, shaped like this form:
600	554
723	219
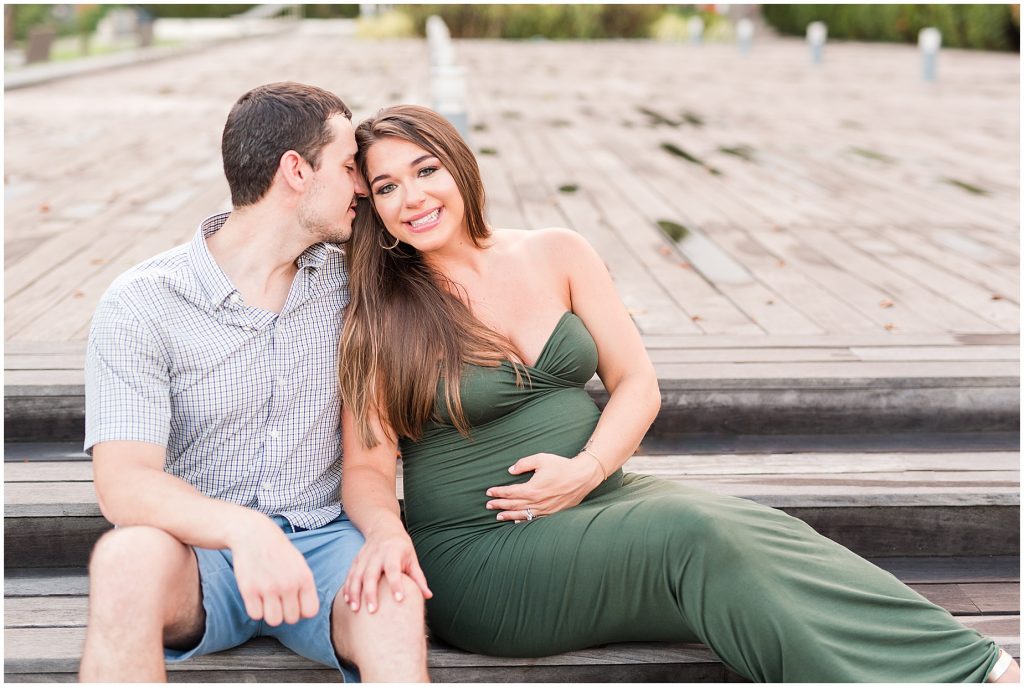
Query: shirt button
266	486
282	380
274	434
235	298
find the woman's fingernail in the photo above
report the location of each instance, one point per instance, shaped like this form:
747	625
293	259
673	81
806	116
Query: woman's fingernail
371	608
398	596
501	516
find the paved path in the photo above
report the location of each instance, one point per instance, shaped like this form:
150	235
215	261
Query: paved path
848	213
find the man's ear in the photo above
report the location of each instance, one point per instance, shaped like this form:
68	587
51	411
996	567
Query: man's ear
294	171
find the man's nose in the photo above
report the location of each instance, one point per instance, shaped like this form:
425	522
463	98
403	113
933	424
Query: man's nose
360	189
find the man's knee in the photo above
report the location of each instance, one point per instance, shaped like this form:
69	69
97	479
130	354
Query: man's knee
126	551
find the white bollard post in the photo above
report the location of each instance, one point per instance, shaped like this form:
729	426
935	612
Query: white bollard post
745	33
696	29
929	40
449	89
817	32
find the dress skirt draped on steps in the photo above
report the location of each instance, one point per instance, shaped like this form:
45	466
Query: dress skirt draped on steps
643	559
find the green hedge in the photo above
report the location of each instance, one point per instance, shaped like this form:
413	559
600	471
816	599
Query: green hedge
987	27
547	21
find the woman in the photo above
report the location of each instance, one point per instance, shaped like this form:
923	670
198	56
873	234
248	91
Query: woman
467	350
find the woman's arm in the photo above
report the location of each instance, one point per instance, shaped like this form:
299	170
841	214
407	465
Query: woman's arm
368	495
623	366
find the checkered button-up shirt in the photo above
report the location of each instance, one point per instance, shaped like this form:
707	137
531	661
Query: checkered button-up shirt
245	401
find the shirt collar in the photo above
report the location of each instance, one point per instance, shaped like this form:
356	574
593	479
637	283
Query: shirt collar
211	277
215	283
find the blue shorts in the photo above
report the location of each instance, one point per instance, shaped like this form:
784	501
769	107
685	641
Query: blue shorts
329	551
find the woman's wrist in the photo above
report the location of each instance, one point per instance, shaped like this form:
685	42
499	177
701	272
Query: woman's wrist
599	469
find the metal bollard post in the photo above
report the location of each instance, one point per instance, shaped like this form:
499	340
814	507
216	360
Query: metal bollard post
817	32
929	40
745	32
696	28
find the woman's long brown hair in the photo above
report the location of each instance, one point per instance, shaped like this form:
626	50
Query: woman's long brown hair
405	326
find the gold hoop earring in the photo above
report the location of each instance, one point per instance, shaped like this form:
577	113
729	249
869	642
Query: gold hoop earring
387	247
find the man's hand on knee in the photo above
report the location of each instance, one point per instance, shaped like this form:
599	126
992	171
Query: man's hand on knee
273	577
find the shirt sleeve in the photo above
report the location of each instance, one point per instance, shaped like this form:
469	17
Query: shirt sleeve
127	380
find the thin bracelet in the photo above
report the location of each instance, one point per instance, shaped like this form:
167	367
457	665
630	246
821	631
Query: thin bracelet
587	451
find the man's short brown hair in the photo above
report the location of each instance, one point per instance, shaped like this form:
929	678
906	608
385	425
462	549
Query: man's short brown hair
267	122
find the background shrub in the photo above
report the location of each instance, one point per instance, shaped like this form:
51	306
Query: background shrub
540	21
987	27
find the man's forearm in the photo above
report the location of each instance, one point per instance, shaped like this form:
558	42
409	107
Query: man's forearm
142	495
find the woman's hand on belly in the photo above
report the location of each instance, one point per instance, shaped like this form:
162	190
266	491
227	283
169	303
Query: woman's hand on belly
558	483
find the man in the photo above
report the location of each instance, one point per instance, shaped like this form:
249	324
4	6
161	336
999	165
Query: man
213	421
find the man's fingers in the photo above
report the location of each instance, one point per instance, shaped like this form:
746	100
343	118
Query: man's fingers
272	614
253	605
290	608
309	600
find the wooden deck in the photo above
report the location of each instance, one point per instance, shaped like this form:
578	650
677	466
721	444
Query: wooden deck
844	220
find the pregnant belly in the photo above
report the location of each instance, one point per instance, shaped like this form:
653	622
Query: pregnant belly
446	475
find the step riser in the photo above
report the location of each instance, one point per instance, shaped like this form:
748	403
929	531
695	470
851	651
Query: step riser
869	531
712	672
686	410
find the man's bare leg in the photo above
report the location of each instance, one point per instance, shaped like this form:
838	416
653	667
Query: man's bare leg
389	645
143	592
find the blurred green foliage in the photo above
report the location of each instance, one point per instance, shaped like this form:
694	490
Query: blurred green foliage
987	27
66	20
345	11
194	11
540	21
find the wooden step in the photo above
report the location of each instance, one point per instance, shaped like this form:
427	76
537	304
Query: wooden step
45	613
709	384
956	503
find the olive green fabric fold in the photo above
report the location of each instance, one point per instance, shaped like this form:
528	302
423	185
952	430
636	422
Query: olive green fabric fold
643	559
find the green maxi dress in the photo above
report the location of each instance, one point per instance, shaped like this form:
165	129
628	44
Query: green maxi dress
642	559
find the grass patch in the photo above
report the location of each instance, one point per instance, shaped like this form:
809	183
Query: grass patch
872	155
488	151
679	152
512	114
480	127
970	188
560	123
569	188
656	118
744	152
675	231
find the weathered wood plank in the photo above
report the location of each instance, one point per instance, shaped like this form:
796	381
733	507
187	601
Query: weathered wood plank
992	597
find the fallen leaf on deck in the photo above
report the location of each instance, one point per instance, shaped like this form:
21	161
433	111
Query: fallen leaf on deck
97	261
889	326
886	303
78	294
685	265
44	207
665	250
780	263
769	302
997	297
695	318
